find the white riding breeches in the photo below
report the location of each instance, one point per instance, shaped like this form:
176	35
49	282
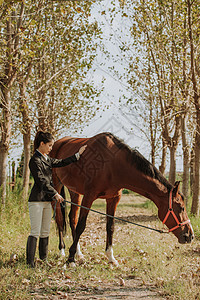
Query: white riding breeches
40	217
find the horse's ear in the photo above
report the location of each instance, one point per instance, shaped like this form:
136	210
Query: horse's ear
176	188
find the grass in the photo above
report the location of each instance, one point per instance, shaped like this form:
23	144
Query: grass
146	259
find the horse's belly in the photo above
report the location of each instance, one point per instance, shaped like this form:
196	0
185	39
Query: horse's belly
73	181
84	181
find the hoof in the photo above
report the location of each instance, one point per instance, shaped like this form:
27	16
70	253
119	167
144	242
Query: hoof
62	252
80	256
81	261
114	262
72	264
110	256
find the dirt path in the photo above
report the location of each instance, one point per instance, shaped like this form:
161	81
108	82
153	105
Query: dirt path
133	289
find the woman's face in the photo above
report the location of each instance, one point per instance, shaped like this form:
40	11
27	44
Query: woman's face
46	148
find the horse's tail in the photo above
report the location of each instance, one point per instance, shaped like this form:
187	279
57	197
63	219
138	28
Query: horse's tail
63	205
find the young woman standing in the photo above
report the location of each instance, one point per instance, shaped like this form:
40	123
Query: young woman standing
43	193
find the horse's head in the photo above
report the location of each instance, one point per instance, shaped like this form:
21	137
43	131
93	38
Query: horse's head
175	217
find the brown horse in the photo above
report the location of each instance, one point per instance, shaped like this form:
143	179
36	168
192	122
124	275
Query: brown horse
106	167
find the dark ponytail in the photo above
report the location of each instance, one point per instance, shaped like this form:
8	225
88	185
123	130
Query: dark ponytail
41	136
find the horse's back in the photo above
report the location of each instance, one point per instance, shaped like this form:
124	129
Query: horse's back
67	146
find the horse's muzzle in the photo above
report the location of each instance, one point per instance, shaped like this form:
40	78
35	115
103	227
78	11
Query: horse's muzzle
186	238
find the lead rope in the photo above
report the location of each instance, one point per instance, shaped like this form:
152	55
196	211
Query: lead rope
54	211
104	214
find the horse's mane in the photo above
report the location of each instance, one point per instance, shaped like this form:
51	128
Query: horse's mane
140	162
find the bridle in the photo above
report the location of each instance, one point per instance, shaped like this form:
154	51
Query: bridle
170	211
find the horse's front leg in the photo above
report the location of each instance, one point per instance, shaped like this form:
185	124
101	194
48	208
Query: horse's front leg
73	218
111	208
87	202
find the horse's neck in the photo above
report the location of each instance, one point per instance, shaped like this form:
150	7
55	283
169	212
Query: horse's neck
144	185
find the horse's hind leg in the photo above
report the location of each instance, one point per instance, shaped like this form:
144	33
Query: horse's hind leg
110	210
60	213
60	222
73	218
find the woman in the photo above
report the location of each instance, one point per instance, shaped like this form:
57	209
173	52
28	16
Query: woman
43	193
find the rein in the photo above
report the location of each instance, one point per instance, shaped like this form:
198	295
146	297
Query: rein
170	211
104	214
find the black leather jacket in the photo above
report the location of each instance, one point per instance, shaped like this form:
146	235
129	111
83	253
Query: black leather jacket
41	170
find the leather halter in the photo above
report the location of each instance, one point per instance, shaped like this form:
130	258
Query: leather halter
170	211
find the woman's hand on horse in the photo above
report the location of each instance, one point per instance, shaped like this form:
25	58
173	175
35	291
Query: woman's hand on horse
59	198
82	149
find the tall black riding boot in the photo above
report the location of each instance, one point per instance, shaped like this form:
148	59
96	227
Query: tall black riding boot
43	248
30	250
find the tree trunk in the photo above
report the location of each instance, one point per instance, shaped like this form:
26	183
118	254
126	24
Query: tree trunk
196	196
41	101
172	145
192	170
162	166
26	130
5	140
26	171
172	170
3	164
196	97
185	109
6	83
185	186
